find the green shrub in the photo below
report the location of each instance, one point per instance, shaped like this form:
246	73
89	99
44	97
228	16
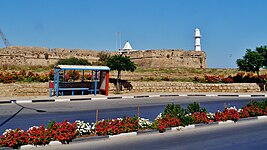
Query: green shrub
179	112
174	110
73	61
195	107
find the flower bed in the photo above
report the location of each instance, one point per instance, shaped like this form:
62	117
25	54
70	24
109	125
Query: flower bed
116	126
173	116
240	77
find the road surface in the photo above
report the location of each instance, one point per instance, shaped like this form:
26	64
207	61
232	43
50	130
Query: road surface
245	135
26	115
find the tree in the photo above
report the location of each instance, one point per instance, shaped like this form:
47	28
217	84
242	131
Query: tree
103	58
263	51
251	62
73	61
120	63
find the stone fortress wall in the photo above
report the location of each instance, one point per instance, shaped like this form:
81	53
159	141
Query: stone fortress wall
22	55
169	58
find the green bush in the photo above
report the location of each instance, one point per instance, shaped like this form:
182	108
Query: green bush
195	107
174	110
262	104
73	61
179	112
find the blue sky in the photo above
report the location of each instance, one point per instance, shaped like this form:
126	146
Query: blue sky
228	27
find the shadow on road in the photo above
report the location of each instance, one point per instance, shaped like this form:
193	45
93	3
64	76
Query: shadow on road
22	107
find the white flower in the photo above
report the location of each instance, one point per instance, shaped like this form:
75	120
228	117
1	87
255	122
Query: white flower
6	131
84	127
232	108
210	115
159	116
144	123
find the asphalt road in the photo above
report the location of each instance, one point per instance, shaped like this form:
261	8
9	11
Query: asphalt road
245	135
29	114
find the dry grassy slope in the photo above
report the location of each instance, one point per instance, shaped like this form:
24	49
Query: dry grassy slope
182	74
147	74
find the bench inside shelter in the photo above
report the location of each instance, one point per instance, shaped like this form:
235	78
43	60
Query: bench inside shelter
77	88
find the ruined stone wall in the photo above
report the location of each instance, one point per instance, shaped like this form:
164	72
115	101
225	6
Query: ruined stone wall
169	58
41	89
19	55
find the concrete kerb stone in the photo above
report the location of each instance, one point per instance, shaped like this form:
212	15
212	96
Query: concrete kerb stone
247	119
141	96
225	122
114	97
154	95
123	97
147	131
5	102
90	138
27	146
80	99
99	98
24	101
94	138
169	95
183	128
261	117
211	95
244	96
43	100
123	135
205	124
258	95
68	99
55	143
32	146
62	100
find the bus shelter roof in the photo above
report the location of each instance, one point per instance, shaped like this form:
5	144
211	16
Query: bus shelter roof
79	67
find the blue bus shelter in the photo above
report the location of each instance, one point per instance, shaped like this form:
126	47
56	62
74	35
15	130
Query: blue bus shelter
99	81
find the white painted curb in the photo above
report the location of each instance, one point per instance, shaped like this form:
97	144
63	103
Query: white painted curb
32	146
99	98
181	127
27	147
211	95
154	95
244	96
55	143
62	100
225	122
261	117
123	134
24	101
128	97
182	94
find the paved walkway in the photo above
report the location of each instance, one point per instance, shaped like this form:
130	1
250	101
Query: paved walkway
35	99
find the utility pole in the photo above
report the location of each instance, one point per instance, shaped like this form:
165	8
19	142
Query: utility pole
4	39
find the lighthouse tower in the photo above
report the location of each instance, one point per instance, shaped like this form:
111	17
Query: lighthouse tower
197	40
127	48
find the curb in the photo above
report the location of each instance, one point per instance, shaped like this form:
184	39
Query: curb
122	135
125	97
142	132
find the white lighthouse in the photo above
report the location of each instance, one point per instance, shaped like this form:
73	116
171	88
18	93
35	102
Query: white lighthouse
197	40
127	48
